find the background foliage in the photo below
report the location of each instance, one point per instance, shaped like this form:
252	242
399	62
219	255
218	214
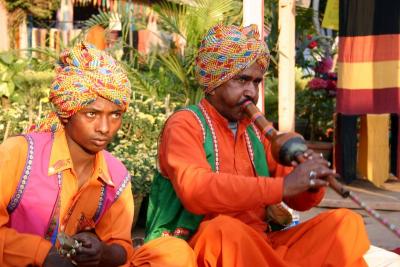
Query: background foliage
136	141
162	80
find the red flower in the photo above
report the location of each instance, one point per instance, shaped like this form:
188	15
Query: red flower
332	76
309	36
317	84
312	44
331	85
324	66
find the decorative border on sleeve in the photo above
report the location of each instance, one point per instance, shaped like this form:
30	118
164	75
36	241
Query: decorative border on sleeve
102	201
122	186
24	178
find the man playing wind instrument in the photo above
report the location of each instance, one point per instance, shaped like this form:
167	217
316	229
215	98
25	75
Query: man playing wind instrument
218	181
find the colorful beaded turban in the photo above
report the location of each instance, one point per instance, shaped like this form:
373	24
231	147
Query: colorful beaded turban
83	74
227	50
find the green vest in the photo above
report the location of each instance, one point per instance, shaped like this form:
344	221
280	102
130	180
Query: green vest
166	214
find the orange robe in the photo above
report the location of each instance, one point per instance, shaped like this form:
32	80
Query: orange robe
18	249
233	232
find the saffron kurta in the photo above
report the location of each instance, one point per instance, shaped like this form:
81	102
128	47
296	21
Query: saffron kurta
18	249
234	200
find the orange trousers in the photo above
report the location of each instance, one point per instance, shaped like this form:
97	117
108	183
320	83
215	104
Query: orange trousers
164	252
334	238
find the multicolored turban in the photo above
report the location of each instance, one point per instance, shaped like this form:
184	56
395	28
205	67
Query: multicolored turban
83	74
227	50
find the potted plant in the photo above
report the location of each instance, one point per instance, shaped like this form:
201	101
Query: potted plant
316	103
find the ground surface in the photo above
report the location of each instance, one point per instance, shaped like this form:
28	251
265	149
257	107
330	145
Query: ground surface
386	200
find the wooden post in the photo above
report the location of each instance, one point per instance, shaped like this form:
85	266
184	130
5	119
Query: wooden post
5	42
23	38
65	15
35	40
286	69
253	13
42	42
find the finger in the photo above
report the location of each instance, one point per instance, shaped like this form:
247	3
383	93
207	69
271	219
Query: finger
308	153
83	239
321	183
317	183
87	252
325	172
320	161
294	163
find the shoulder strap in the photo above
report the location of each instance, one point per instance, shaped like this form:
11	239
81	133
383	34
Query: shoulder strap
108	195
17	196
165	214
258	155
207	135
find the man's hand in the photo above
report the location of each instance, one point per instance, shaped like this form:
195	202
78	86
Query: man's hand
94	252
54	259
307	175
91	251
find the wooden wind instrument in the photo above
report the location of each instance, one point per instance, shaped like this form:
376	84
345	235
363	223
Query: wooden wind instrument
289	147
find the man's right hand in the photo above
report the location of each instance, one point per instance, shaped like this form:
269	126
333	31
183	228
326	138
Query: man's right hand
54	259
315	168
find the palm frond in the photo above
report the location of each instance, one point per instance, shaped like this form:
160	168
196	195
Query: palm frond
172	17
215	10
142	85
46	52
103	19
172	63
207	13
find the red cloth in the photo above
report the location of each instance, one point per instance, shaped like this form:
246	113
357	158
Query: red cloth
397	250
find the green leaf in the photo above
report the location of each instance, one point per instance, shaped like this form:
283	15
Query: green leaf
172	63
11	87
7	58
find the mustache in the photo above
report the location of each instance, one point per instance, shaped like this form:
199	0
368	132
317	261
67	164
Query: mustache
245	100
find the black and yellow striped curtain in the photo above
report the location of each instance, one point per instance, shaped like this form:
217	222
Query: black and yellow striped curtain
369	57
368	75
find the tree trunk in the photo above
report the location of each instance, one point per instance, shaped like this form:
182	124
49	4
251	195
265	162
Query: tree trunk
317	26
5	102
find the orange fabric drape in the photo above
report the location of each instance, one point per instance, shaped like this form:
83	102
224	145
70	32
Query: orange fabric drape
334	238
164	252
